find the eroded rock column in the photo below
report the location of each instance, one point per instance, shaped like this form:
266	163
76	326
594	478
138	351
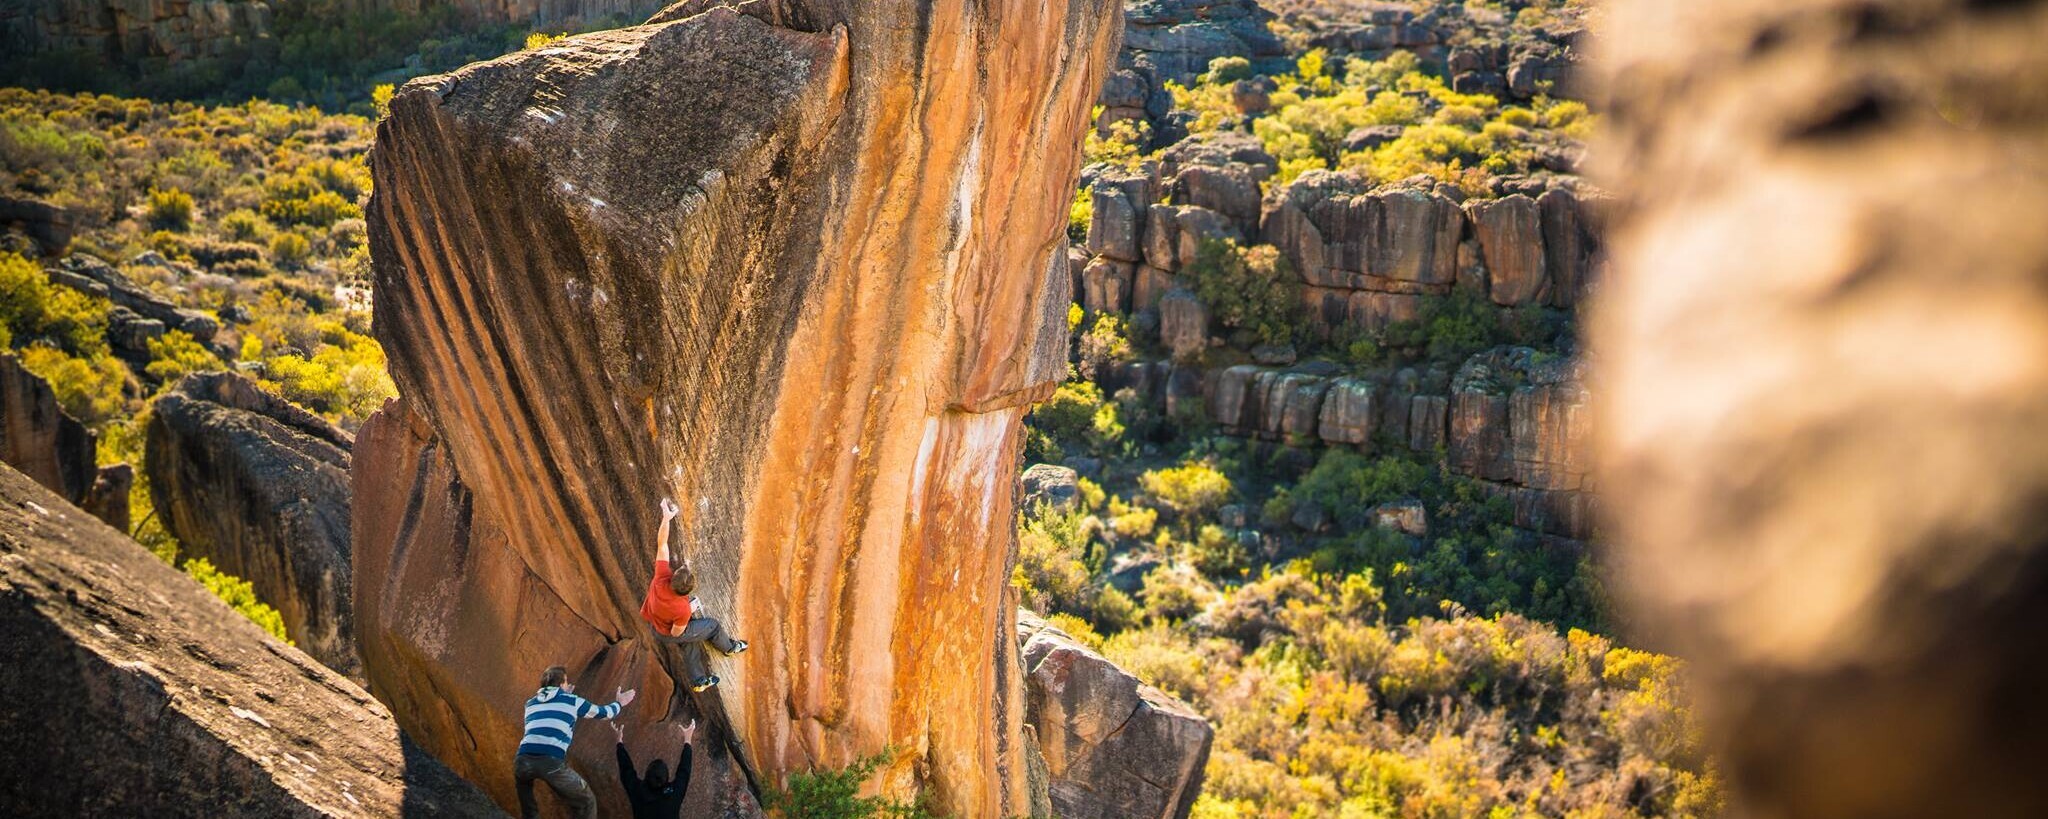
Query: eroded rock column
800	268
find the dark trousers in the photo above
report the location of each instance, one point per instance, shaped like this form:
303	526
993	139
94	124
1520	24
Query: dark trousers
699	630
564	780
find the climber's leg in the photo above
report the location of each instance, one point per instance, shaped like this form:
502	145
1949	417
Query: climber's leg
693	665
525	769
708	630
570	786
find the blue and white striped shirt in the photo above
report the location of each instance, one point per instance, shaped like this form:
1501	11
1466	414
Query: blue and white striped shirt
551	721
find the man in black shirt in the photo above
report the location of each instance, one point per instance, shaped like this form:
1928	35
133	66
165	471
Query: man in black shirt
657	795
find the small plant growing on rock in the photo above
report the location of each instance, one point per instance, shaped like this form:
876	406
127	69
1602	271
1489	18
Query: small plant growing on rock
830	794
1250	290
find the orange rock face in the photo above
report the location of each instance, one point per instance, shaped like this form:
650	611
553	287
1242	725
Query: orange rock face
800	267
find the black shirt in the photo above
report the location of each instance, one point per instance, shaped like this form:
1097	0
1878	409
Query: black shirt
665	802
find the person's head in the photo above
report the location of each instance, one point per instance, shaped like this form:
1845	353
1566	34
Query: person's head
555	677
657	774
682	581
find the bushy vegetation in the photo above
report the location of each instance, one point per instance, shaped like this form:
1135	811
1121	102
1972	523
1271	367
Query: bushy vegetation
255	208
1461	139
1323	706
1251	291
835	794
239	594
247	213
324	52
1334	695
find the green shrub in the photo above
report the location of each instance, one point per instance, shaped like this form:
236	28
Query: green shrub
239	594
1052	572
1228	69
1103	346
835	794
1191	490
176	354
34	309
1216	552
1250	290
1074	420
170	209
245	226
1079	215
289	249
1120	147
92	390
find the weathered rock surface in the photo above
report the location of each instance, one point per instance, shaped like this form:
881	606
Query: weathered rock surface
49	227
90	275
1510	416
1051	484
260	487
801	267
1510	234
132	691
1176	40
54	449
1114	747
128	32
1823	361
1183	325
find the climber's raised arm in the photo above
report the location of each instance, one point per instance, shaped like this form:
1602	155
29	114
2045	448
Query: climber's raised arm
668	516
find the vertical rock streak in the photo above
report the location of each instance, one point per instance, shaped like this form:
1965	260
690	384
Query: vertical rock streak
792	263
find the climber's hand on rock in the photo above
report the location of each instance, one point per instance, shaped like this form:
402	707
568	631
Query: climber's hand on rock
625	697
668	509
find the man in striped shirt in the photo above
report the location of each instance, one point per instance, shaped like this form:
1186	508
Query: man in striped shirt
544	752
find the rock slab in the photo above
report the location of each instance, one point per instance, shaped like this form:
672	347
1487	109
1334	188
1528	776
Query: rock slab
260	487
1113	746
133	691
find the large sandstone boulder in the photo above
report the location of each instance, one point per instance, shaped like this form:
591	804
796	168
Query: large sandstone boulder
1114	747
38	439
260	487
133	691
1510	234
716	258
1823	361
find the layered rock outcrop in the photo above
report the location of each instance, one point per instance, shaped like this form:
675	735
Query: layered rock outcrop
1175	40
1114	747
1515	419
138	315
128	32
132	690
1823	357
260	488
131	31
41	441
800	266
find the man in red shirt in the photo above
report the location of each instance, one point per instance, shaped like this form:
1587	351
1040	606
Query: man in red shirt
672	611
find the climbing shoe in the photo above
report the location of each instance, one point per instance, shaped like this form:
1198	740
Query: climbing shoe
737	647
703	683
